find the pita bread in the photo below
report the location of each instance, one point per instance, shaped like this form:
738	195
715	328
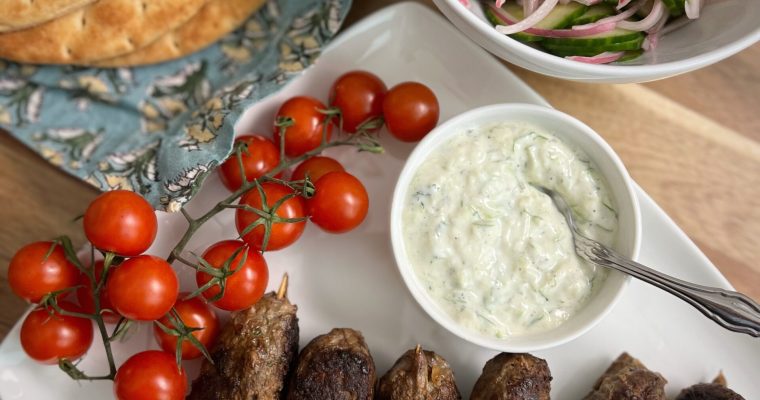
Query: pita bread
105	29
20	14
216	19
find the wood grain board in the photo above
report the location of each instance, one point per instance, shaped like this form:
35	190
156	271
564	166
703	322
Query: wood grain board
692	142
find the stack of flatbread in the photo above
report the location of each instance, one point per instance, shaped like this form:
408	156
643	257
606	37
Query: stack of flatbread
114	33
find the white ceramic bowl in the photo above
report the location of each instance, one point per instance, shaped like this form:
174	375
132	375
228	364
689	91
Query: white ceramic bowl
608	164
724	28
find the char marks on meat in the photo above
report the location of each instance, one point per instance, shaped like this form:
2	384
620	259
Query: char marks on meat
253	355
334	366
513	377
628	379
418	375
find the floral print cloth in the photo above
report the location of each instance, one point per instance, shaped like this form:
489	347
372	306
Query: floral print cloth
159	130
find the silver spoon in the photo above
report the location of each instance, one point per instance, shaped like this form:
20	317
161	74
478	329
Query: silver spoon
731	310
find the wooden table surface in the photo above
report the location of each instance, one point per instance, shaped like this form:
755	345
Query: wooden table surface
692	142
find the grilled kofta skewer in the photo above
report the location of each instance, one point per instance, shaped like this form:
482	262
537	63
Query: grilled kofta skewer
513	377
253	354
628	379
334	366
419	375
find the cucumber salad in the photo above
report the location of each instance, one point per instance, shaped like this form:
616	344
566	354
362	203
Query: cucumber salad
590	31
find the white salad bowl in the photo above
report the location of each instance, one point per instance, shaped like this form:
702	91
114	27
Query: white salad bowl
724	28
608	164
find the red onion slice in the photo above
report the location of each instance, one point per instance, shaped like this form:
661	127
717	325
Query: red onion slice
604	58
692	8
648	22
510	20
654	33
500	3
588	2
541	12
615	18
529	7
622	3
465	3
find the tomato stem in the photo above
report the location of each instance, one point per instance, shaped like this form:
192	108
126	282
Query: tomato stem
75	373
98	287
186	214
120	329
195	223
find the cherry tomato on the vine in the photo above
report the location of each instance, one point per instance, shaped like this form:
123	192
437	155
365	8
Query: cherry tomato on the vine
316	167
143	288
262	157
283	233
150	375
309	123
359	96
86	298
120	221
195	313
246	285
411	111
47	336
340	203
31	275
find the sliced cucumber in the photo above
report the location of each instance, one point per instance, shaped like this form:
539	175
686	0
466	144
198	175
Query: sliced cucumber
595	13
616	35
560	17
675	7
590	51
630	55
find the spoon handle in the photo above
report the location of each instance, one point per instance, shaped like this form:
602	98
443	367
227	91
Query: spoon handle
731	310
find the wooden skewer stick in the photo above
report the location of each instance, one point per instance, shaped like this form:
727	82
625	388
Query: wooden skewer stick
283	290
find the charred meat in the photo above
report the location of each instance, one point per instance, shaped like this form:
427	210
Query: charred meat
253	355
628	379
419	375
334	366
716	390
513	377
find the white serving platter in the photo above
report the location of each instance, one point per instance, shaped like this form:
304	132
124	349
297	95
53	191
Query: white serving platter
352	281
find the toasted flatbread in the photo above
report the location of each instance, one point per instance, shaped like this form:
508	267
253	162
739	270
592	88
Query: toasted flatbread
20	14
102	30
216	19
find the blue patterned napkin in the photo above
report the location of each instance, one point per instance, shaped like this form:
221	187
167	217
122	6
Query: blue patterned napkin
158	130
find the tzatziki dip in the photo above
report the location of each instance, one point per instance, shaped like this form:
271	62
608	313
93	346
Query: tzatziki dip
493	251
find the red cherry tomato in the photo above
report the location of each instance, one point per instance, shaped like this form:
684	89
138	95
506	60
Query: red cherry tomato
195	313
340	202
316	167
31	275
150	375
262	157
246	285
47	336
86	298
282	234
143	288
411	111
120	221
359	96
308	125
